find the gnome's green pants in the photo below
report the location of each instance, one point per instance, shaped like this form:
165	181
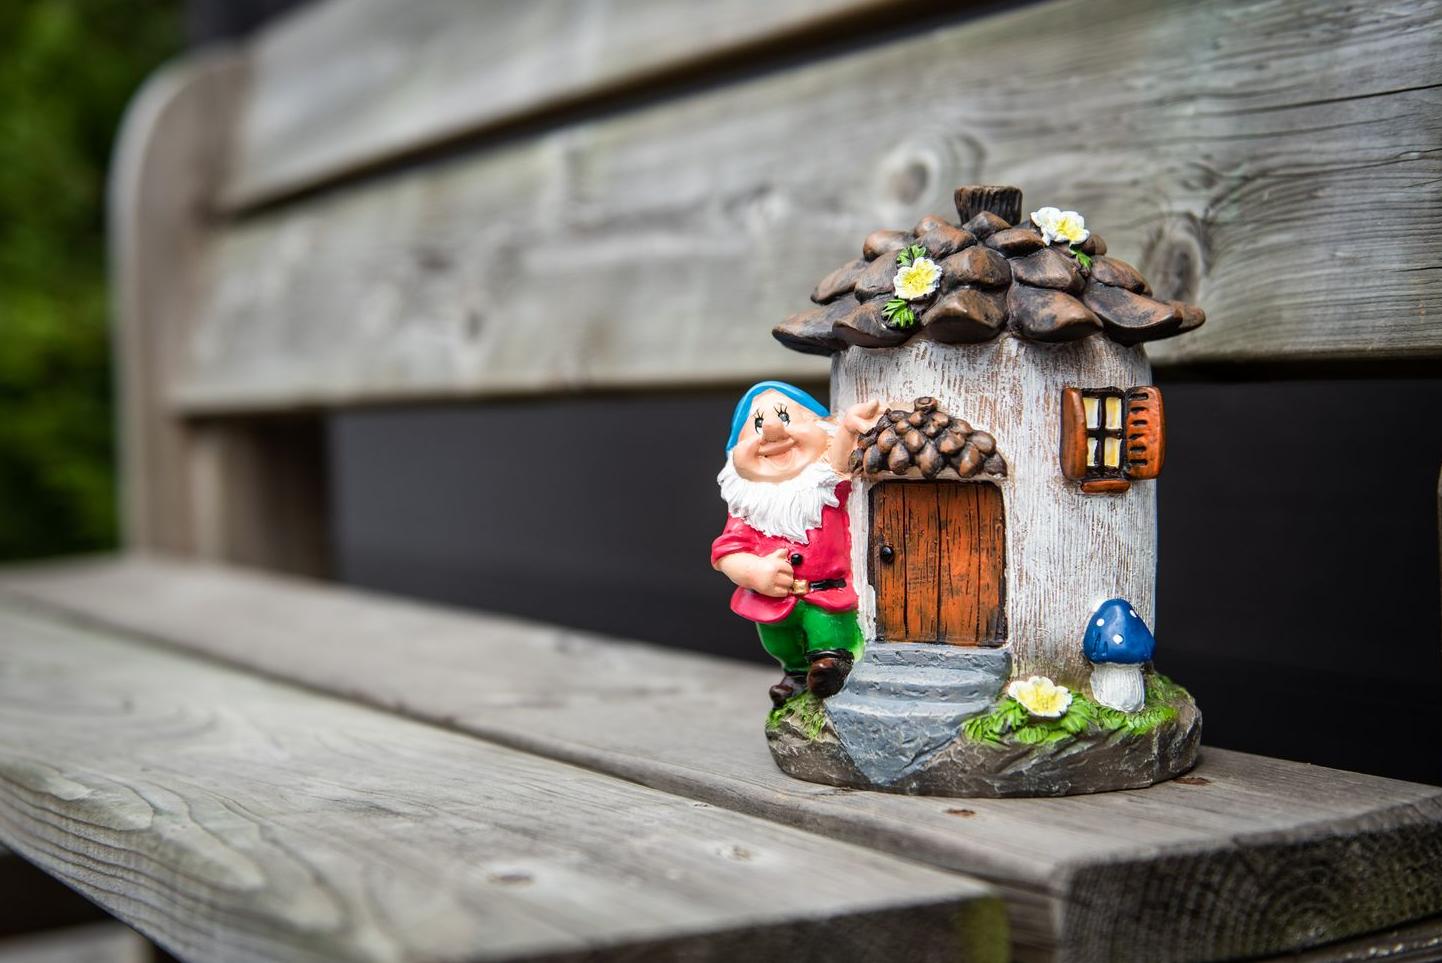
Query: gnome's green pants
807	629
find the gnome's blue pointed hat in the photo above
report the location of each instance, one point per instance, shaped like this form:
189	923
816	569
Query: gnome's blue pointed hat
743	407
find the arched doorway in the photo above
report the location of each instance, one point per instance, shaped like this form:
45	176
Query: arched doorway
938	562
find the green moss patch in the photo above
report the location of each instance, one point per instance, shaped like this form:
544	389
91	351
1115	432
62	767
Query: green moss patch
1008	723
804	711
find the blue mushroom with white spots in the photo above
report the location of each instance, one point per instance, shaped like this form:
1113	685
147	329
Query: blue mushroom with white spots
1118	643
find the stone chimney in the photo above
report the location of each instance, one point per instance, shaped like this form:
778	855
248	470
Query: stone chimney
1004	202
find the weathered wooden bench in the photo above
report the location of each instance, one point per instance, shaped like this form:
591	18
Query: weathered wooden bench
245	763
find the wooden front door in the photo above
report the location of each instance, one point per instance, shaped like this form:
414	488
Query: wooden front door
938	562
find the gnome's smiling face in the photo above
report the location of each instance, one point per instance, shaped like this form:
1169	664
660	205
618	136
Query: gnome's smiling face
780	440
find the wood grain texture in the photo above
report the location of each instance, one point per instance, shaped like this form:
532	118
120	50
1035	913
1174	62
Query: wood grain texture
1419	942
160	183
245	493
888	521
1066	552
232	818
259	490
347	84
973	562
958	562
920	562
945	581
1073	434
1245	857
1286	193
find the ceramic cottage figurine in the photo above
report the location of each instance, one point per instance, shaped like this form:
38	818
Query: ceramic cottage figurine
988	633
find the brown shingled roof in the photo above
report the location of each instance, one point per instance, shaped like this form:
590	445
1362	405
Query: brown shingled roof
997	275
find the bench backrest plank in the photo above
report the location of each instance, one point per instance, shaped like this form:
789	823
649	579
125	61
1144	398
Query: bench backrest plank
657	246
652	246
349	85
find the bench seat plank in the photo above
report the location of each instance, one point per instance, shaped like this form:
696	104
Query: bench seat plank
1419	942
231	817
107	942
1247	856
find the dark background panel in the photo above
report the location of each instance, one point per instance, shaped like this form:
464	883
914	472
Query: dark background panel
595	512
1298	593
1298	586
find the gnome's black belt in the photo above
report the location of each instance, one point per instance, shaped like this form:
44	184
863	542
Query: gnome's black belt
803	587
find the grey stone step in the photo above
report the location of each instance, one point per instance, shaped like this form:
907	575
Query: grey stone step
905	701
887	738
923	683
934	654
941	673
860	708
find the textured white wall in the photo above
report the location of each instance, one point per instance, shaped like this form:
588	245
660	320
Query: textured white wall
1065	552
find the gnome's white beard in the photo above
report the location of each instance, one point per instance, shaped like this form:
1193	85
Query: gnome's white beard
788	509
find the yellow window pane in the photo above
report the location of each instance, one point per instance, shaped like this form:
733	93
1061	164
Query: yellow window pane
1091	452
1114	412
1090	404
1112	453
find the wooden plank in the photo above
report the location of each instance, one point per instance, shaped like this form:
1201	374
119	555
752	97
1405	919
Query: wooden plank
348	84
920	559
973	560
888	513
259	491
159	183
991	570
229	817
96	943
1244	857
1415	943
657	247
960	558
245	493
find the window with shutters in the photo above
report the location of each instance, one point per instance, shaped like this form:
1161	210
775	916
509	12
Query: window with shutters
1111	436
1102	409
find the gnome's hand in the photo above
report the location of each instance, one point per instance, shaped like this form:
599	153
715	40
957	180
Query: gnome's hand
855	420
773	575
861	416
767	574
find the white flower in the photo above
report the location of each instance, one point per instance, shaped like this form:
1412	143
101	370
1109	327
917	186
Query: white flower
917	279
1058	225
1041	696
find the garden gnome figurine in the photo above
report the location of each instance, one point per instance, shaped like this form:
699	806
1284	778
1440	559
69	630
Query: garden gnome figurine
787	542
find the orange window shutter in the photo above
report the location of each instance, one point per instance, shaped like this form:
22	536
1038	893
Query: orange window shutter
1146	432
1073	434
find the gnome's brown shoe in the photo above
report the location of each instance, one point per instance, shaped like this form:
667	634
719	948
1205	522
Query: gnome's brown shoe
790	684
829	669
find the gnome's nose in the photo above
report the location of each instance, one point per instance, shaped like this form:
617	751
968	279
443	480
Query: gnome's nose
773	430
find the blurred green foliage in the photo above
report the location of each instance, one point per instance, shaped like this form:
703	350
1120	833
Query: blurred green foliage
67	68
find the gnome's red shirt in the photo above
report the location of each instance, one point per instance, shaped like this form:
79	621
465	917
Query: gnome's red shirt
826	554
